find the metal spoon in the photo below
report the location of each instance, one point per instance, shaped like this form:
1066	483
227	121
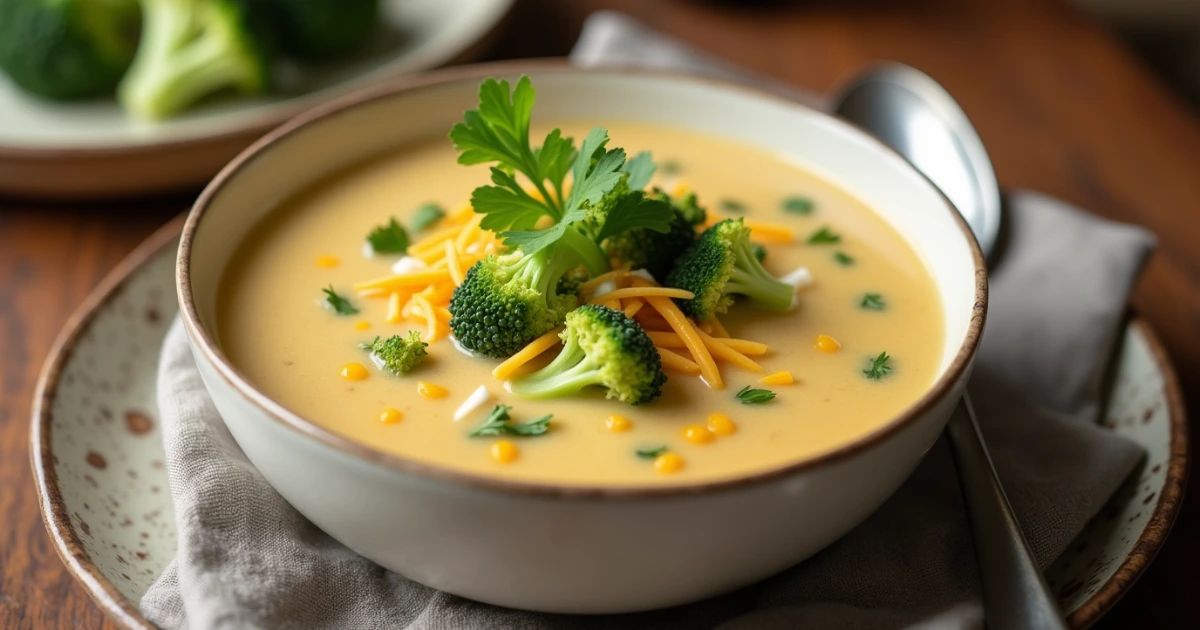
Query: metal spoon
914	115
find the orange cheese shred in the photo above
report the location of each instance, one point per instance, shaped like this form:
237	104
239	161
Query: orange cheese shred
631	292
671	340
725	353
691	338
452	264
672	361
770	232
394	314
526	354
414	279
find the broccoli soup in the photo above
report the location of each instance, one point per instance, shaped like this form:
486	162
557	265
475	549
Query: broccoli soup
687	308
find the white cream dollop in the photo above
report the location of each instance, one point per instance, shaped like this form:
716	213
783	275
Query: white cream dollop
477	399
408	264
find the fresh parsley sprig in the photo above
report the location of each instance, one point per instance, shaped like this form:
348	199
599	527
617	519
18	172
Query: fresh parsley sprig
426	216
872	302
651	453
339	304
750	396
878	367
824	236
497	423
843	259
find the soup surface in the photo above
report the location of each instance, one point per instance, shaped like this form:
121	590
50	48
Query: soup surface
871	295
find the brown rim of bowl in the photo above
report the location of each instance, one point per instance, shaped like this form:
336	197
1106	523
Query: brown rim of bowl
124	613
259	125
204	343
1170	498
54	512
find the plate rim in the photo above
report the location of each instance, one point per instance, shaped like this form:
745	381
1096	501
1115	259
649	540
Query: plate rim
288	108
126	614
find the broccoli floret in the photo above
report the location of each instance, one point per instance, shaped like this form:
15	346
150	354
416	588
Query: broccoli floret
720	264
320	30
601	346
569	284
191	49
656	252
67	49
396	354
505	302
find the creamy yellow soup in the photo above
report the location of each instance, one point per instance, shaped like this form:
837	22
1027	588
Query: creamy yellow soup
273	327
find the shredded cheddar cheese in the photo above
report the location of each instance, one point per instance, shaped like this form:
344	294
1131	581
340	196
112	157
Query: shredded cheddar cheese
684	328
725	353
526	354
672	361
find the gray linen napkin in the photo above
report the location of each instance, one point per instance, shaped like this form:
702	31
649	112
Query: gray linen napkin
247	559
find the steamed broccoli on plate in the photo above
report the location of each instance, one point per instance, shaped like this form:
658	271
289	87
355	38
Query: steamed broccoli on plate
720	264
320	30
67	49
601	347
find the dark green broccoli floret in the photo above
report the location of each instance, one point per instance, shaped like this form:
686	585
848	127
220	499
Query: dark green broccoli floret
319	30
191	49
505	302
396	354
67	49
601	346
656	252
721	264
569	284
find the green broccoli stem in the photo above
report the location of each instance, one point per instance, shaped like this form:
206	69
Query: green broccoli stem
748	278
569	372
590	255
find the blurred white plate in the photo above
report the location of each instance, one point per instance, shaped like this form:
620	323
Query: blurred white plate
91	149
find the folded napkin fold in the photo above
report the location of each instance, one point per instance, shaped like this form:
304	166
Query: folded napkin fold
247	559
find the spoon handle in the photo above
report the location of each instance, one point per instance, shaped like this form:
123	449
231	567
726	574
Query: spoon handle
1015	595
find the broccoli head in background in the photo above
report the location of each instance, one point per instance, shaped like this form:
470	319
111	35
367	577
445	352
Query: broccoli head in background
604	347
320	30
721	264
67	49
191	49
396	354
653	251
505	302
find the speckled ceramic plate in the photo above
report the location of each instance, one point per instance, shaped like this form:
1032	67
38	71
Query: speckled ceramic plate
90	149
98	454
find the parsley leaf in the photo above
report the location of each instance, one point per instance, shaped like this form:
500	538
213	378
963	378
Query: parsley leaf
426	216
506	205
651	453
635	210
798	205
339	304
878	367
733	205
872	302
640	169
824	236
390	238
843	259
597	169
497	424
755	396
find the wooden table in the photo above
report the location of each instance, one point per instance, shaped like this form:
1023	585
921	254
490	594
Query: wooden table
1062	106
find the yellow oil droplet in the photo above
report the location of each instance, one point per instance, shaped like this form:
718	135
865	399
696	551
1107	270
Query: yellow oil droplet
390	416
505	452
354	372
697	434
429	390
825	343
720	424
778	378
668	463
617	424
327	262
363	325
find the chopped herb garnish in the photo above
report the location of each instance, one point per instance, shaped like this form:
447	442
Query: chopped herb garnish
755	396
670	167
426	216
651	453
824	236
878	367
732	205
390	238
872	302
497	424
798	205
339	304
759	251
843	259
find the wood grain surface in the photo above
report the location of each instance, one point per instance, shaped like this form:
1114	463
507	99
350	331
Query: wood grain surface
1061	104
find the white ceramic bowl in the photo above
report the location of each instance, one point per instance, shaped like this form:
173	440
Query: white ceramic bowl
591	549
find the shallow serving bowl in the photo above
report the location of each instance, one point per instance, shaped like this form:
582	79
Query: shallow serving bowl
584	549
